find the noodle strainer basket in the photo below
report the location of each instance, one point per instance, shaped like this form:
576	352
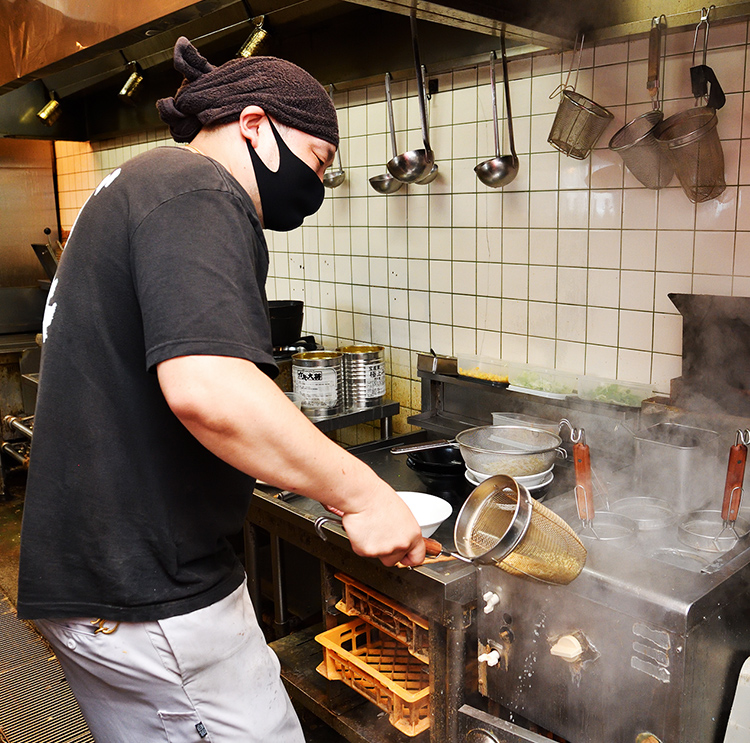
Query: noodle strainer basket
501	524
636	142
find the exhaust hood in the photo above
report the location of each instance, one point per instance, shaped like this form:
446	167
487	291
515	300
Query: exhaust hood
83	52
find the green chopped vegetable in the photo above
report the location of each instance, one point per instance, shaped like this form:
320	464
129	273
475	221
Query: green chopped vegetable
614	393
534	381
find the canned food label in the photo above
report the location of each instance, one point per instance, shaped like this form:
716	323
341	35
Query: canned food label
319	387
375	381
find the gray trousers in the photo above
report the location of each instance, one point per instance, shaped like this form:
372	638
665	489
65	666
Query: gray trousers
200	677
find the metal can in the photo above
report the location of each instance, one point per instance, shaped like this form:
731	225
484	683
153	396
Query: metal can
318	377
364	376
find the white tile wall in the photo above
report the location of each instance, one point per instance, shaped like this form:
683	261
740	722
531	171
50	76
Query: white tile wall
567	267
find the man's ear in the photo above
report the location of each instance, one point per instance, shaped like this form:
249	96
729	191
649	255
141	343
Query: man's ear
251	118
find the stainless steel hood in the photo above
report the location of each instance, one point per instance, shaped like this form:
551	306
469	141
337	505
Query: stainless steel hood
342	42
338	42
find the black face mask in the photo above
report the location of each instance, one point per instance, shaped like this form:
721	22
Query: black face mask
291	193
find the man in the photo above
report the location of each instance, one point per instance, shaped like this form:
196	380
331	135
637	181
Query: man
156	410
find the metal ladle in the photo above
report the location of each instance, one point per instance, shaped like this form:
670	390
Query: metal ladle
333	178
433	174
386	183
414	165
500	170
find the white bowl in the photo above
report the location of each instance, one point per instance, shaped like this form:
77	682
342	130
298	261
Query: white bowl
476	479
429	510
528	481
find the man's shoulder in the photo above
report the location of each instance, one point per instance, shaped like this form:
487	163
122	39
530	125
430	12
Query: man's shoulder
163	173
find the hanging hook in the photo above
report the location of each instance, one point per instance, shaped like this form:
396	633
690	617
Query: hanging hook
566	85
577	435
705	13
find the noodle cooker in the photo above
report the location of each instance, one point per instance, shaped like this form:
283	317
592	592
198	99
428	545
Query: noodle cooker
636	646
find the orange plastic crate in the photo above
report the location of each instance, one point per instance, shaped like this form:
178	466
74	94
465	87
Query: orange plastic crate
382	670
385	614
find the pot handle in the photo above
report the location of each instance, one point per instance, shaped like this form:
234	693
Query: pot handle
561	453
408	448
584	491
735	474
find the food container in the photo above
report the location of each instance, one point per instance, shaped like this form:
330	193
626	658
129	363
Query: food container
617	392
508	450
364	376
532	483
318	377
535	380
678	464
437	364
530	421
488	370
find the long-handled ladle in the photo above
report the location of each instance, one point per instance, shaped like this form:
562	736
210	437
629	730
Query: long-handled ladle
334	176
432	174
386	183
502	169
416	164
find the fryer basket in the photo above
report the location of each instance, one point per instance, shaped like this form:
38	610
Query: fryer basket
578	125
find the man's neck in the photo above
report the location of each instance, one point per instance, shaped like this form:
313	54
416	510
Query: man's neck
227	146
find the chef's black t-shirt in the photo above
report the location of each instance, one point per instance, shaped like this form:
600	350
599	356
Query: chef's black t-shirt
126	515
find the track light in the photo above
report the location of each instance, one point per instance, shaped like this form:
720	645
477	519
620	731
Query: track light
253	42
133	83
50	112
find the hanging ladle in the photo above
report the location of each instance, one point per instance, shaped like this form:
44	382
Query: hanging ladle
414	165
334	177
386	183
433	173
500	170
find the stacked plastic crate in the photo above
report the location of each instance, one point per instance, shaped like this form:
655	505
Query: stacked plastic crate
382	654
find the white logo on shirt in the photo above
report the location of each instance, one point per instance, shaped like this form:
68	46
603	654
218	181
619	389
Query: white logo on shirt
107	180
49	310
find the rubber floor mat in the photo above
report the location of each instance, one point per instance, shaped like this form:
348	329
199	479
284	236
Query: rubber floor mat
36	704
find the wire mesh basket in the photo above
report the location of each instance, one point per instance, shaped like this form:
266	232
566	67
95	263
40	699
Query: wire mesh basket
694	148
579	122
636	142
547	549
641	152
578	125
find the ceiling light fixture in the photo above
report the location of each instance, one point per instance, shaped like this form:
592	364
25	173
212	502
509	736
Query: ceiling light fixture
50	112
253	42
133	83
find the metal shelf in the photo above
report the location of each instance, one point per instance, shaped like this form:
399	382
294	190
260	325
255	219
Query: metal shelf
383	412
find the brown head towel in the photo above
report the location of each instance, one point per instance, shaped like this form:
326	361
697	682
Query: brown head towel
217	95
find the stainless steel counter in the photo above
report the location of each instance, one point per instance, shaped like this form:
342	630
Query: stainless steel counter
444	593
